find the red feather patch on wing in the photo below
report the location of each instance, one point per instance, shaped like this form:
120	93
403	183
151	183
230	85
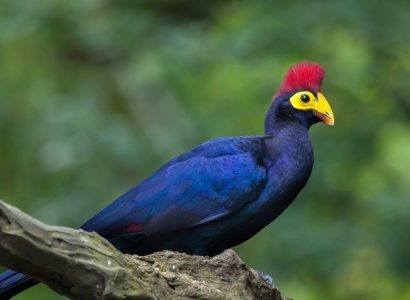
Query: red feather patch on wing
133	228
303	76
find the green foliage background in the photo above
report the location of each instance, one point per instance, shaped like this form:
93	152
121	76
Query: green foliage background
96	95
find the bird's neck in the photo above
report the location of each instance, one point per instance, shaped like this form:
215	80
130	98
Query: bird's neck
284	128
291	139
289	161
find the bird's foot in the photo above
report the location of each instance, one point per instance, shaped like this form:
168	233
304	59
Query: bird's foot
266	278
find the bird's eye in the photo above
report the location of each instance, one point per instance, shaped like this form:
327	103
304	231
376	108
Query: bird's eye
305	98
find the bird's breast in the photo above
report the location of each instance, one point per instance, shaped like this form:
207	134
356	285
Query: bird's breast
288	169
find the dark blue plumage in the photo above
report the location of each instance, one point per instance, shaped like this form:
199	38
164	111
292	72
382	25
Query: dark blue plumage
209	183
215	196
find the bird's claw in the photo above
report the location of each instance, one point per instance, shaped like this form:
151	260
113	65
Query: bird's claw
266	278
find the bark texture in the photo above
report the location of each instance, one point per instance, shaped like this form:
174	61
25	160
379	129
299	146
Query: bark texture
83	265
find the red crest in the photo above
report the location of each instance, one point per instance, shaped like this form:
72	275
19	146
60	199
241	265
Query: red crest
303	76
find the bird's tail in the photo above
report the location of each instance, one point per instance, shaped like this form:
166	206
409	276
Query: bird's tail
12	283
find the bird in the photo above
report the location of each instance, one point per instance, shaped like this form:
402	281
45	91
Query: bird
222	192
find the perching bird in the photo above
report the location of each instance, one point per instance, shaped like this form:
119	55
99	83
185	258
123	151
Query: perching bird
222	192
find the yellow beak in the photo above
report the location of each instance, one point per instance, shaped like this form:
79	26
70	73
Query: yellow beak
323	110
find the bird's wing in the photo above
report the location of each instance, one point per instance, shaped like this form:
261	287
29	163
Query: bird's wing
202	185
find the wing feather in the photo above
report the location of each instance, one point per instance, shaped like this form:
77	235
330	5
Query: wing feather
205	184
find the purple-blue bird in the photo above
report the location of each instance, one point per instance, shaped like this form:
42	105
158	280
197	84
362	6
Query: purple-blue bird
223	191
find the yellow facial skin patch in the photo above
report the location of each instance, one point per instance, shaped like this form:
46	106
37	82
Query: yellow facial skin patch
306	100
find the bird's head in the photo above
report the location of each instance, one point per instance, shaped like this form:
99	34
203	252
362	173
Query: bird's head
300	99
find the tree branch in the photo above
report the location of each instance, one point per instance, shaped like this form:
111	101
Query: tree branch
83	265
